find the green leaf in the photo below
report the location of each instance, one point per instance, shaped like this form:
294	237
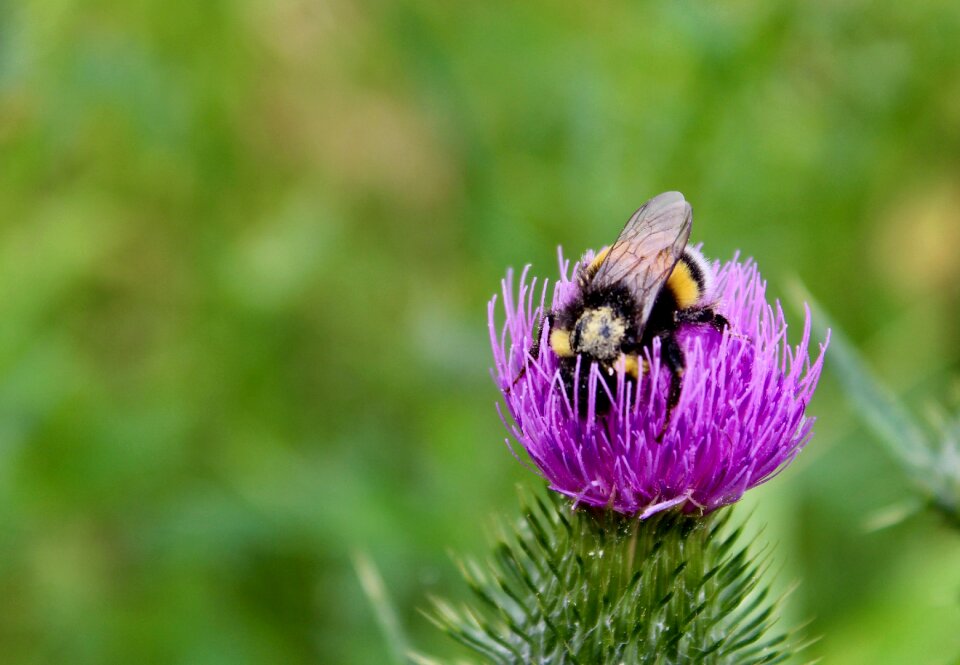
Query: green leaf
932	462
875	404
376	593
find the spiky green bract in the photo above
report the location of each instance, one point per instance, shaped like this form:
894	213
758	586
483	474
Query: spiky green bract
585	586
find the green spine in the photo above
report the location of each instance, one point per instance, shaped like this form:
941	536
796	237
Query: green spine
585	587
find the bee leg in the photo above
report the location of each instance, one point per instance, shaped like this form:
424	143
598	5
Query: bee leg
534	351
535	347
718	321
673	358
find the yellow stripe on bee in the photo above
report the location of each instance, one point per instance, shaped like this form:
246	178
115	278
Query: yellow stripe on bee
560	343
597	260
684	287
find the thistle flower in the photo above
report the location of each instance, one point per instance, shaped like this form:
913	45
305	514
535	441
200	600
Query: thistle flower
740	418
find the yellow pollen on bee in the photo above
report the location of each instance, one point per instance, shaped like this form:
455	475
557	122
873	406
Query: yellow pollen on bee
560	343
684	287
630	365
599	332
597	260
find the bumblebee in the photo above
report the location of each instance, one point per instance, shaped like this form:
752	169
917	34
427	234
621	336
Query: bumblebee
642	287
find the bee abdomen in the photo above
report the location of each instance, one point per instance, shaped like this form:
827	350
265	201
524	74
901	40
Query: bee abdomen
689	283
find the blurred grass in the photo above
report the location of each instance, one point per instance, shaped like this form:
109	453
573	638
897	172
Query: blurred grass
245	250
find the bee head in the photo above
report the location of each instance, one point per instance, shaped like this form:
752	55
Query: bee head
599	333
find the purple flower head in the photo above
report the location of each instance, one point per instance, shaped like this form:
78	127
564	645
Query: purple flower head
739	420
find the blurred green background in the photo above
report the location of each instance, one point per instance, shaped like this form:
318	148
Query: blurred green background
245	255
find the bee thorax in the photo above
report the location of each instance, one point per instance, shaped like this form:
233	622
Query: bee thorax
599	333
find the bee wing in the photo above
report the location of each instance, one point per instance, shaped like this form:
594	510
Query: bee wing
647	250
